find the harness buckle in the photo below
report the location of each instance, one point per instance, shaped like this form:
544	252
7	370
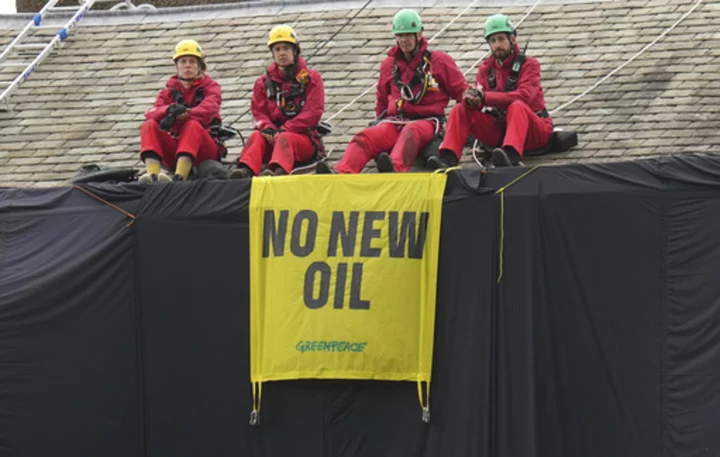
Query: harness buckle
406	93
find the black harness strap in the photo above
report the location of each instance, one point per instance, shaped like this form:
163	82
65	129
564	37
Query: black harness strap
511	82
180	100
286	101
514	75
421	75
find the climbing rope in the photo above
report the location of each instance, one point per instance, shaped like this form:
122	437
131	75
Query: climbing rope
320	46
527	13
610	74
354	100
624	64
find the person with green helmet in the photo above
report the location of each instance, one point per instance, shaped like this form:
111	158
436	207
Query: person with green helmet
414	88
506	108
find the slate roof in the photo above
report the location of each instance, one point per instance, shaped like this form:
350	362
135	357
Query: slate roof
85	104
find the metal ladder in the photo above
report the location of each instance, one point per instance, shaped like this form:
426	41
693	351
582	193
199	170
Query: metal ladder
26	43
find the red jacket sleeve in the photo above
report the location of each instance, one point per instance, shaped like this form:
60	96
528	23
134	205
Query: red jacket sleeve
209	107
259	106
527	88
313	108
159	109
384	86
451	78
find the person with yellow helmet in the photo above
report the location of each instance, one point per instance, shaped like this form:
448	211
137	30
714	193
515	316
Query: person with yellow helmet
287	104
176	132
414	88
506	108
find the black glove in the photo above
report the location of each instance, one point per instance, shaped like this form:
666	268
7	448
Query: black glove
167	122
477	94
223	133
176	110
268	131
173	112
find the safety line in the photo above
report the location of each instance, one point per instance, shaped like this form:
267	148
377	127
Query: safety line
501	191
502	237
611	73
322	45
532	8
429	41
353	101
624	64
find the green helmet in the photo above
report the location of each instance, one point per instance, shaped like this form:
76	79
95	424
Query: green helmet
406	21
498	23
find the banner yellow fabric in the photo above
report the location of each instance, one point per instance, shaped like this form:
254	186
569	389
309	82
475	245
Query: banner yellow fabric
343	276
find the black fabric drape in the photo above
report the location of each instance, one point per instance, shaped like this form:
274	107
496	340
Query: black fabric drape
68	366
601	338
580	319
692	363
193	289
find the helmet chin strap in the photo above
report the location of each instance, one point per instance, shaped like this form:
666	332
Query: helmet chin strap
417	45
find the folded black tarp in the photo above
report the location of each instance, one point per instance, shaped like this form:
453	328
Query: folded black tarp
124	324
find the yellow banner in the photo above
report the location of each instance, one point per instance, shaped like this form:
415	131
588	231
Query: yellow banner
344	275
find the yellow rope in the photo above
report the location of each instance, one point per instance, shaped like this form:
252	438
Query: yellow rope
502	235
501	191
504	188
447	170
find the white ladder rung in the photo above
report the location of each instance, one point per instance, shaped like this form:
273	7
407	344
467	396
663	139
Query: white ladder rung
61	30
31	46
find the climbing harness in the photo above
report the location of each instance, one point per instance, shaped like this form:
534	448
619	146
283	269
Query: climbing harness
290	102
422	75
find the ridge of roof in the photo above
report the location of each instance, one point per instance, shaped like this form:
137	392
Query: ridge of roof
256	8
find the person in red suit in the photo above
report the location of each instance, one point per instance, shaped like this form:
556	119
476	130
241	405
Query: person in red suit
413	90
506	108
287	104
176	132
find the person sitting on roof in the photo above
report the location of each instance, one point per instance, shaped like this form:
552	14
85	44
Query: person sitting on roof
414	87
287	104
176	131
506	109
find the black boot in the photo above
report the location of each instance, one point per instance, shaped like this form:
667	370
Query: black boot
384	163
500	158
444	159
324	168
434	163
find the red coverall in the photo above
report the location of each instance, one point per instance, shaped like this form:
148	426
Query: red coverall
189	135
293	143
405	141
521	128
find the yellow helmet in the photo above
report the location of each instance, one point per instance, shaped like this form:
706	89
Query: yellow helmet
188	48
282	34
